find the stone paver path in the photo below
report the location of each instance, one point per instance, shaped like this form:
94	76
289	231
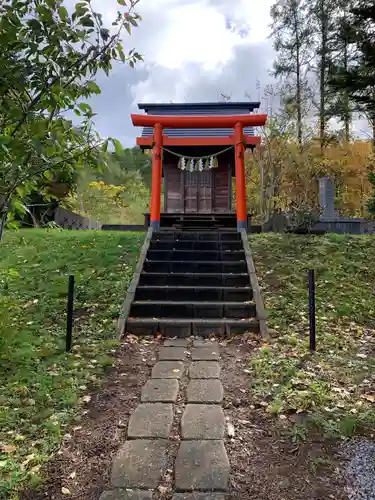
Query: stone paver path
201	468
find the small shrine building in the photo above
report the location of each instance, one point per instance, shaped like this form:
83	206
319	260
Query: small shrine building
198	160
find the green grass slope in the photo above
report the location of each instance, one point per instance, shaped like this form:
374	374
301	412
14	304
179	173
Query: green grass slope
41	386
335	387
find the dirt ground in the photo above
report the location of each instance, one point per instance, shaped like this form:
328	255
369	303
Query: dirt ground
265	464
83	463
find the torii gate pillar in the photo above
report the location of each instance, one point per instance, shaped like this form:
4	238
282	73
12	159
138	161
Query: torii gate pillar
156	176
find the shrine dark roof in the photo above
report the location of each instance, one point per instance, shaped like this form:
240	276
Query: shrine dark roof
201	108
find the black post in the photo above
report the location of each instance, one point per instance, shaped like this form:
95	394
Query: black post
312	319
69	320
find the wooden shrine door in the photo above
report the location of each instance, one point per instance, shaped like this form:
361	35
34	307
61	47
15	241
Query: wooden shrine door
198	191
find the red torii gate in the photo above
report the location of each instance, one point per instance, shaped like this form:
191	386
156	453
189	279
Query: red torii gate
238	139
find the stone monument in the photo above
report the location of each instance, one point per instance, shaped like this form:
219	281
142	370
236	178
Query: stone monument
330	219
327	199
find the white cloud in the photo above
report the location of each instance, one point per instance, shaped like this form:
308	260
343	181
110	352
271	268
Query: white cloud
193	50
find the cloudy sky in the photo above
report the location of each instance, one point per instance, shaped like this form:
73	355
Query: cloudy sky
193	50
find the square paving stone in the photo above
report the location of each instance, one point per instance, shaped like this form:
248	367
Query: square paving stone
202	465
140	464
176	342
203	422
204	391
195	495
206	343
205	354
172	354
168	369
160	391
126	495
204	369
151	420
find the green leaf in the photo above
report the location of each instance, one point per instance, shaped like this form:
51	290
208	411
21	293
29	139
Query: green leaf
87	21
93	88
63	13
121	2
121	52
81	9
14	273
118	146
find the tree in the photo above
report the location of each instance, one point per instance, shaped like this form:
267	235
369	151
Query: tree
292	40
48	62
358	80
341	60
322	15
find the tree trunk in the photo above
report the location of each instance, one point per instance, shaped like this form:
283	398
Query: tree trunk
3	222
261	194
346	98
323	64
298	69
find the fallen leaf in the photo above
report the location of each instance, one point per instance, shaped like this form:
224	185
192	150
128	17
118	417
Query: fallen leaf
86	399
65	491
369	397
230	429
163	490
8	448
175	370
73	475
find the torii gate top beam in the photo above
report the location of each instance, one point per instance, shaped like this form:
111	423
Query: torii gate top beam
208	121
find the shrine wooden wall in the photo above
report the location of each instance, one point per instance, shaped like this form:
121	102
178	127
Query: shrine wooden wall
178	192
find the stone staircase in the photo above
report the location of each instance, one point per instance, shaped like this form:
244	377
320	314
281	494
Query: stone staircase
192	283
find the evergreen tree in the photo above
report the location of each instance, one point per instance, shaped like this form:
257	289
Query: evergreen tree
342	58
322	15
358	80
292	41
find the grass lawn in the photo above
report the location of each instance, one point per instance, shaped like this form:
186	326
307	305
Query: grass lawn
42	387
333	389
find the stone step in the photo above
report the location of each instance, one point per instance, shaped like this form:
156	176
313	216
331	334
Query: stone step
160	391
201	421
204	370
208	352
151	421
196	255
196	495
202	465
203	327
194	293
161	266
122	494
160	309
207	391
178	309
196	236
195	245
140	464
195	279
169	369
